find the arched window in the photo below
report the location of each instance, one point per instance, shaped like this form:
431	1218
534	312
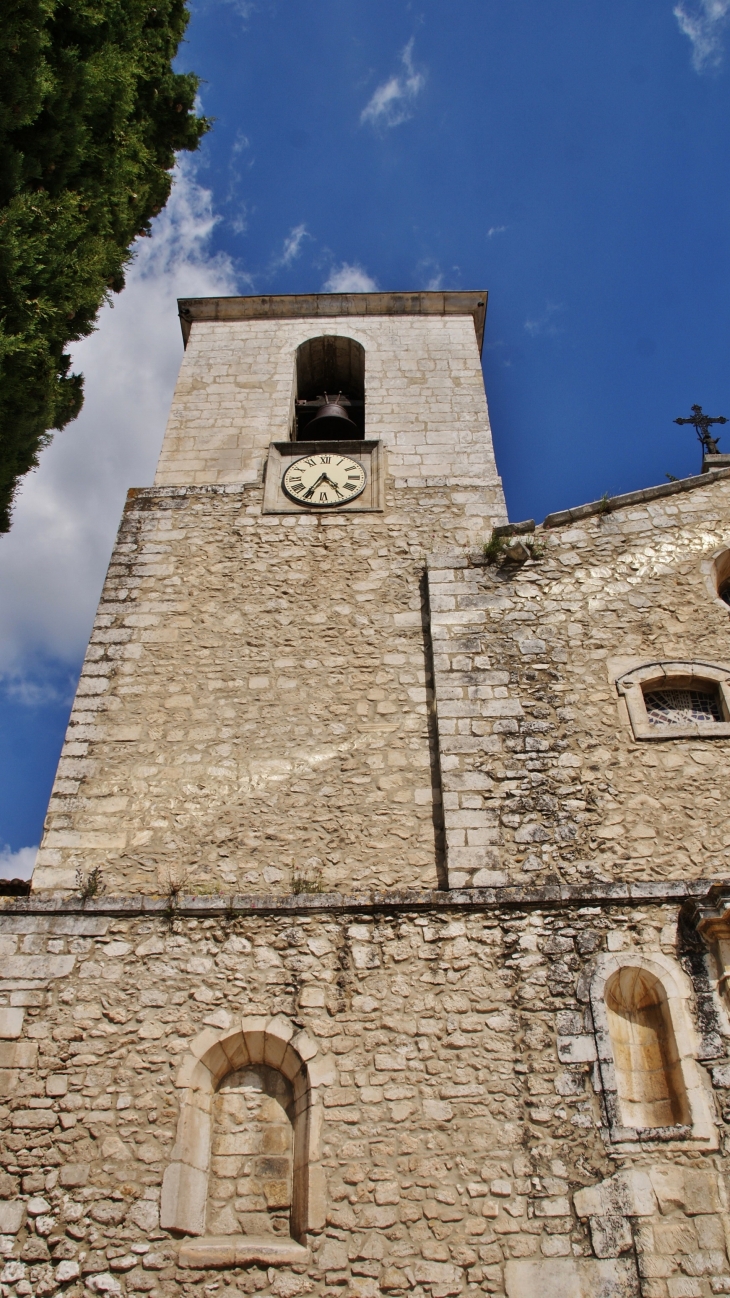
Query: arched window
677	700
649	1082
331	368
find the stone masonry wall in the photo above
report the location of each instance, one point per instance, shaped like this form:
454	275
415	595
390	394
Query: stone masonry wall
462	1143
424	398
542	776
254	704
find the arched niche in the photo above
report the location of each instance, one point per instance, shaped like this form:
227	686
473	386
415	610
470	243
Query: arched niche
250	1187
330	364
225	1082
649	1082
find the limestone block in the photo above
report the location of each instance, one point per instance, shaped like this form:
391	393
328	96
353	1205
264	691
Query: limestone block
184	1194
704	1262
233	1044
628	1194
66	1271
192	1074
332	1256
242	1250
290	1065
571	1278
254	1030
610	1236
193	1138
11	1023
322	1071
39	967
441	1275
279	1032
12	1216
33	1119
576	1049
316	1198
700	1192
72	1175
8	1080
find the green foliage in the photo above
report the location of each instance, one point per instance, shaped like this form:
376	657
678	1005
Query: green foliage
91	114
91	884
497	548
493	548
307	881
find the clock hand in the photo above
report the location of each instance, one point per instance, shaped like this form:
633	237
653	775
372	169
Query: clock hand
308	494
331	483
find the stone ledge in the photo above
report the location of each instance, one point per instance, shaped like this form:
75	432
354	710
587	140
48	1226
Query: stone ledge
612	503
510	896
240	1250
202	489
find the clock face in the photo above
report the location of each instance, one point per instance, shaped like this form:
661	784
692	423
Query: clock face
324	480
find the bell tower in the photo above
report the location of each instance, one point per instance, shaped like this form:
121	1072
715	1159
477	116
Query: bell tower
379	941
255	710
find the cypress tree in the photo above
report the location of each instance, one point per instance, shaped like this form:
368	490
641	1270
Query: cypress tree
91	115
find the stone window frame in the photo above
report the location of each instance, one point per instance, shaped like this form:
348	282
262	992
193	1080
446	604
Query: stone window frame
701	1130
211	1058
716	572
687	674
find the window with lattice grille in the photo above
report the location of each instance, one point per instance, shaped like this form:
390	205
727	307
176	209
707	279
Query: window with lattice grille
677	700
681	707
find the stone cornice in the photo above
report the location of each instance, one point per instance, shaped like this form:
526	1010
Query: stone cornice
511	897
298	306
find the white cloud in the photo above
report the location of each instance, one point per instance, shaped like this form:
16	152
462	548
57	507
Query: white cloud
546	324
495	229
429	273
349	279
702	21
293	245
17	865
392	101
52	563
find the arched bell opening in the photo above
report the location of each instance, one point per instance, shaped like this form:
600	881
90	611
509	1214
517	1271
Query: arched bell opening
330	390
649	1081
251	1175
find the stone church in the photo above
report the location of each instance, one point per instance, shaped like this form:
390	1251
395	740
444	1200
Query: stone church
379	939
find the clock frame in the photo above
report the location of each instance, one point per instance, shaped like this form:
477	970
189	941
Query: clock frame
369	454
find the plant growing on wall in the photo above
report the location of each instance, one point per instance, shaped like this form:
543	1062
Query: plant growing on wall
91	115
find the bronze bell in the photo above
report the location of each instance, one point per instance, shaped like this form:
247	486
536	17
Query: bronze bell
331	422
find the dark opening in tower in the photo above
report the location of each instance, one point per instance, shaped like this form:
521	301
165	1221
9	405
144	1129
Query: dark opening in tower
330	390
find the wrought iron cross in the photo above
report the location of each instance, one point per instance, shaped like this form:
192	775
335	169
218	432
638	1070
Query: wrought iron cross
702	424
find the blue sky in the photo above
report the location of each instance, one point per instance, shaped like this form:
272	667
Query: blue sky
569	157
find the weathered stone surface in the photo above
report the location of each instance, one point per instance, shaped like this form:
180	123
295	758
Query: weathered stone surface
12	1215
384	1087
241	1250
